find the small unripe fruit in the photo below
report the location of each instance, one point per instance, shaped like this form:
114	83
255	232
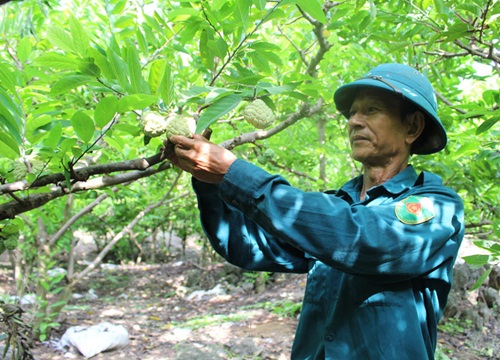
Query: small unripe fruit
262	159
153	124
258	114
269	153
10	244
37	165
20	171
180	125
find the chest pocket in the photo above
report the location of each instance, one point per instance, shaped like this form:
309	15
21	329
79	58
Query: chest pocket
322	283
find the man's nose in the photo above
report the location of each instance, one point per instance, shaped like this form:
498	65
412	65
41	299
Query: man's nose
356	119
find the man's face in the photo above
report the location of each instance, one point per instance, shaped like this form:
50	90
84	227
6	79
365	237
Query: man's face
376	131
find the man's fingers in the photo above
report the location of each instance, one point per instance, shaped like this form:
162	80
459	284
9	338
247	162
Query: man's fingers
200	137
178	139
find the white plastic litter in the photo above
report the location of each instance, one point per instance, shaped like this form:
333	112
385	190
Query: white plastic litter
202	294
92	340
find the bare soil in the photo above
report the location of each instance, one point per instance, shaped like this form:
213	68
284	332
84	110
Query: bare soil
233	315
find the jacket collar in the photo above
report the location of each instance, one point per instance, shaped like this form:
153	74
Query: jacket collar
399	183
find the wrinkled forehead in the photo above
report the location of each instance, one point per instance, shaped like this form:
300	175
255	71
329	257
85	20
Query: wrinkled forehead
379	95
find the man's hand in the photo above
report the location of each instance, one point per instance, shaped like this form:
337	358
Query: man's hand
204	160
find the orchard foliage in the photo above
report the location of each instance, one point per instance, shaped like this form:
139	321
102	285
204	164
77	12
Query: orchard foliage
76	77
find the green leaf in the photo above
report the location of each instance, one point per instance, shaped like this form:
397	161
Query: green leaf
133	130
264	46
135	102
274	90
478	260
57	61
68	83
52	140
491	97
313	8
151	21
438	5
115	142
359	4
119	7
38	122
156	73
167	90
259	62
215	111
220	48
260	4
61	39
241	9
141	41
10	116
87	67
8	146
481	280
137	82
120	69
124	22
24	49
182	13
102	62
83	126
80	39
486	125
105	110
206	53
467	148
7	78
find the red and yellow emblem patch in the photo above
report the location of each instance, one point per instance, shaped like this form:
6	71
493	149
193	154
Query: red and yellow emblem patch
414	210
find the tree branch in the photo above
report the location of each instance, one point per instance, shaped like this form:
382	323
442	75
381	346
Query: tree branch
489	54
85	173
305	111
11	209
238	47
324	45
53	239
126	229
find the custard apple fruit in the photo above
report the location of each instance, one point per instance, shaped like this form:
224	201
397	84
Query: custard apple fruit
258	114
10	243
180	125
269	153
37	165
153	124
20	171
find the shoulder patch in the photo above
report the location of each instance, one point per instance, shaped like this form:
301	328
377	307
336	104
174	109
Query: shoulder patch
414	210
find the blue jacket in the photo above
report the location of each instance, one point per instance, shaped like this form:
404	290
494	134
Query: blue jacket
379	270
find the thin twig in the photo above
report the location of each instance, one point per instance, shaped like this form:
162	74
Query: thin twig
243	41
127	228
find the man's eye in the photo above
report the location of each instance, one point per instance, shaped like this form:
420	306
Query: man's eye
371	109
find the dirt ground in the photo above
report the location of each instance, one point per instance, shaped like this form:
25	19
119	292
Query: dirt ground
167	320
183	311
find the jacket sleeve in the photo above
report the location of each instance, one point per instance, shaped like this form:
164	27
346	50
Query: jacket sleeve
358	239
240	240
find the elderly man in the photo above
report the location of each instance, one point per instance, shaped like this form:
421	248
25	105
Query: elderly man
379	251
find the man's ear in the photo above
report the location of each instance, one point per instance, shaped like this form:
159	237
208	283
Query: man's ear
416	124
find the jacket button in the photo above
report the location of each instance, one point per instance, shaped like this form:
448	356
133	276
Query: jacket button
330	337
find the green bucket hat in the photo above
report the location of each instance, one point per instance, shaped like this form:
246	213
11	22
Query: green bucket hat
413	87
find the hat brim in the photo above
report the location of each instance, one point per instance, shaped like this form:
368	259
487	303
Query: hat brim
432	139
